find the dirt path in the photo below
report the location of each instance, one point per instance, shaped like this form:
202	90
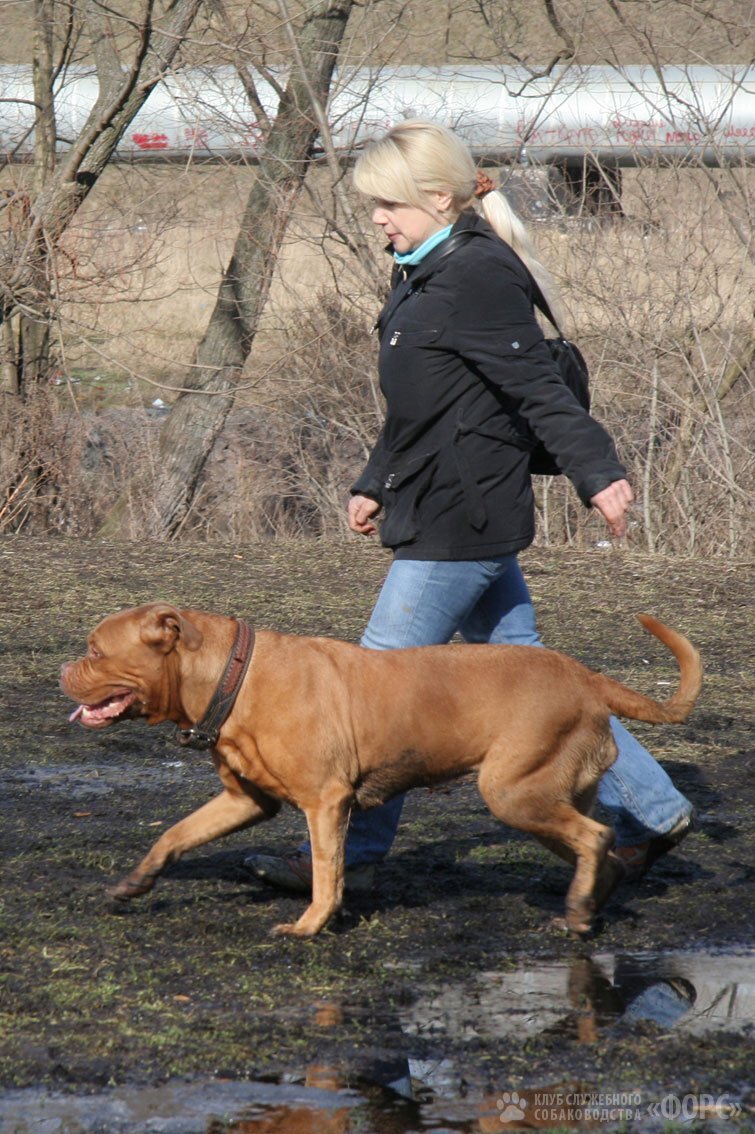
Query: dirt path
188	982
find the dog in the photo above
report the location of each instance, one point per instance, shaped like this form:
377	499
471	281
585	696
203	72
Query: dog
329	726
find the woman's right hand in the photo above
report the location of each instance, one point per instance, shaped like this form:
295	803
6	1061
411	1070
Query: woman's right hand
361	511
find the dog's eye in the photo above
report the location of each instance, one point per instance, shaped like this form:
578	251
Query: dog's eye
94	652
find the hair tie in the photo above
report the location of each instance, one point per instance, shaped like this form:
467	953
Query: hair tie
483	185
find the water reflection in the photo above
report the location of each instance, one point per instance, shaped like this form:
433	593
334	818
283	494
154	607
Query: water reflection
578	1001
683	991
290	1119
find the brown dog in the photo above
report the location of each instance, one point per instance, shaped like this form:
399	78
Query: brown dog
330	726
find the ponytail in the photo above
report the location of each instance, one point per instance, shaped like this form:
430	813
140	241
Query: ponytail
506	224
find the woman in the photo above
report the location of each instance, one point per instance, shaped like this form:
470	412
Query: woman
469	385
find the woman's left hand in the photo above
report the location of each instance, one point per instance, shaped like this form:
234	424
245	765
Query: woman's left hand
613	503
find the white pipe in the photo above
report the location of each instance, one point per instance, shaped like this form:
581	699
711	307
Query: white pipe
619	116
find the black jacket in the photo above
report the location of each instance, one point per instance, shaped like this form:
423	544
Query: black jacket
465	370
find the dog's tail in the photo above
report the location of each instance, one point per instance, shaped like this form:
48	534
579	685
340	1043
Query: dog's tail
627	703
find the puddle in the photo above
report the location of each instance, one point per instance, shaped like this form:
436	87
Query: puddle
324	1105
687	992
180	1108
577	1001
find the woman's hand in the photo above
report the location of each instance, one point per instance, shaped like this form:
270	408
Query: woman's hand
361	511
613	503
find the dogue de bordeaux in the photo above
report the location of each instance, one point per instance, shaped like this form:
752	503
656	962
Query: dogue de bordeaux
330	726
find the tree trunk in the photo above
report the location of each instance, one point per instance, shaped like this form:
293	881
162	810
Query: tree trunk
58	192
36	220
198	417
26	337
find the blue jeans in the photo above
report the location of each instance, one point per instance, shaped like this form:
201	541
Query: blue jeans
424	603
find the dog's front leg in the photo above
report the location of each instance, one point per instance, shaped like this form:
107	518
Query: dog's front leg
327	822
230	811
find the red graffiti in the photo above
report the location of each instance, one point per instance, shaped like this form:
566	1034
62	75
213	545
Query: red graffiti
619	122
636	131
556	135
196	136
150	141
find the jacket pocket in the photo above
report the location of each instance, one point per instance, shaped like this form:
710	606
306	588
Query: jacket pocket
474	449
412	337
405	483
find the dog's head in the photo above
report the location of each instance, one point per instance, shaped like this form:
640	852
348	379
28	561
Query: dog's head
131	666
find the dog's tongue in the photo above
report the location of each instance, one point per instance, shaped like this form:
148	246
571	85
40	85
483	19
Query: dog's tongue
104	711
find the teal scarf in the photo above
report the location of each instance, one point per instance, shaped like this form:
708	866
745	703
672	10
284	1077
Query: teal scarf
409	259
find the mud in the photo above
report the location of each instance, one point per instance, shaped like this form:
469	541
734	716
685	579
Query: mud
444	1000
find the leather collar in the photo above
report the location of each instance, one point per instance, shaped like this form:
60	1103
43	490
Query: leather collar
206	732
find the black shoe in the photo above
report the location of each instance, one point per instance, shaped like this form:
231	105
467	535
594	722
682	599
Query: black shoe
294	872
638	859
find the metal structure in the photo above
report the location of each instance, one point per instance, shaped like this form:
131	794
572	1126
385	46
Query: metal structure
617	117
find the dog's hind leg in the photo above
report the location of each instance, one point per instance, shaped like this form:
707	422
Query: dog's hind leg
541	803
233	809
584	804
584	800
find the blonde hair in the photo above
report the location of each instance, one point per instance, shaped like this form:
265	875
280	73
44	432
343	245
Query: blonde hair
417	157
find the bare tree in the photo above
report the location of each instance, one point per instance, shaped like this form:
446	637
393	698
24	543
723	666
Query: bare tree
198	416
130	57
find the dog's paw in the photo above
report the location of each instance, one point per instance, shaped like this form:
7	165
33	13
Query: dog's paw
288	929
581	930
130	887
118	895
300	928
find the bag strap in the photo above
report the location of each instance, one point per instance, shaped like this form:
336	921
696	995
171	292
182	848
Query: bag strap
446	249
541	302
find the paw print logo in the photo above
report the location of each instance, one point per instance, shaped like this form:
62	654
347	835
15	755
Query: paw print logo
512	1106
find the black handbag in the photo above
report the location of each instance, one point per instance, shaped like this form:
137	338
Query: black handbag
574	374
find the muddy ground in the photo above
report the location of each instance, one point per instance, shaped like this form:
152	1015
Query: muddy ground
188	983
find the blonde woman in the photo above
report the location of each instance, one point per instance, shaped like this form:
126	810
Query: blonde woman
469	385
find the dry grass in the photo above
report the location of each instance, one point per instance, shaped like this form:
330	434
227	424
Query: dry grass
154	266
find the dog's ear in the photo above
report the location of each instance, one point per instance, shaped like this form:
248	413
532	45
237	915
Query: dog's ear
163	625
